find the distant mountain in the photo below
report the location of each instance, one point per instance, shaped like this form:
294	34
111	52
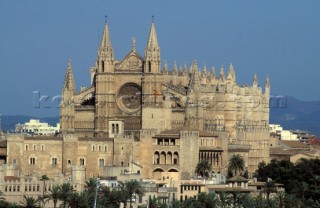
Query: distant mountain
294	114
288	111
8	122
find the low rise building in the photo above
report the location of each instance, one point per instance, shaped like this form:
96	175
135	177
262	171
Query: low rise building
35	127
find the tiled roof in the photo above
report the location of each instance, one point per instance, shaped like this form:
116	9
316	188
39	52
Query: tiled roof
294	144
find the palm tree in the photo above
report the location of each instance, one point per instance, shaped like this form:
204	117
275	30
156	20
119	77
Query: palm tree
203	168
29	202
269	187
236	164
247	201
209	200
43	178
224	200
133	187
281	197
65	190
54	194
73	200
86	199
300	189
91	185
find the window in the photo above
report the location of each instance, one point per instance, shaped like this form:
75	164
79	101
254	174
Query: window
14	161
106	148
34	147
32	160
93	148
69	162
99	148
26	147
101	162
54	161
81	161
42	147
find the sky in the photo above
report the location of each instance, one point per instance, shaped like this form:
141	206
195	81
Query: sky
279	39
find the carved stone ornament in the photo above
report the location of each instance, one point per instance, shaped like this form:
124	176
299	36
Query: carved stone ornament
129	98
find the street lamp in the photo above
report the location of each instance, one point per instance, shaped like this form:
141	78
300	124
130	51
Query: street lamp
96	194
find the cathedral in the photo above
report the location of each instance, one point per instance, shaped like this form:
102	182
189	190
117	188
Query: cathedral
149	119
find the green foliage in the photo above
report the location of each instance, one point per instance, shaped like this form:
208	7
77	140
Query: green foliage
29	202
236	164
203	168
301	179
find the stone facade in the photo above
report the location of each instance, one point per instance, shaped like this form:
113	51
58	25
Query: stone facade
165	121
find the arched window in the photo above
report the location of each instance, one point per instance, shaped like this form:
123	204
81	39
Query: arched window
106	148
93	148
32	161
175	158
54	161
14	161
26	147
99	148
156	158
43	147
34	147
101	162
82	161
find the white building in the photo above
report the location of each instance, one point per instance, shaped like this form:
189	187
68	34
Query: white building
283	134
36	127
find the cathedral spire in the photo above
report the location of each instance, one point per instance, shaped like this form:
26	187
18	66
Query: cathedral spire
213	72
105	53
175	69
152	52
222	72
255	80
68	78
231	74
205	70
185	70
106	41
152	41
267	82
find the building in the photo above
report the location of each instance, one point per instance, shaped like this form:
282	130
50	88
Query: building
35	127
163	121
282	134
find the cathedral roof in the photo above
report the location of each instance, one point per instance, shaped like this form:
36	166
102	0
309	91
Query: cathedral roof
176	132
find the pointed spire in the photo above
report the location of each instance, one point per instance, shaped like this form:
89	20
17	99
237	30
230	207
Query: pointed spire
267	82
165	68
231	75
180	70
175	68
205	70
106	41
222	72
152	41
133	44
185	70
194	84
255	80
68	78
213	72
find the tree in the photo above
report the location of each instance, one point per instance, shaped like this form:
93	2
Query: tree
65	190
54	195
133	187
86	199
208	200
300	190
43	178
224	200
29	202
91	185
236	164
269	187
203	168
